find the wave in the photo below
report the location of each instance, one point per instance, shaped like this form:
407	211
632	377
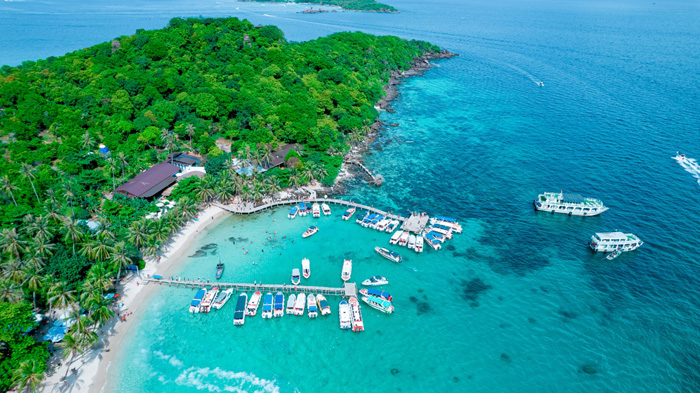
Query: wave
690	165
217	380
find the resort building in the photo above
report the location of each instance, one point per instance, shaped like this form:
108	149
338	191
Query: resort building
182	160
151	182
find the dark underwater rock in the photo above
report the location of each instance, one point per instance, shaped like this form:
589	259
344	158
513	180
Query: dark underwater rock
505	357
210	246
413	299
395	371
588	369
450	247
567	314
198	254
472	289
423	307
532	320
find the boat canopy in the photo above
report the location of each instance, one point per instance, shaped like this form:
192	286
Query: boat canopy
293	210
323	303
572	198
240	305
438	226
313	228
378	293
377	278
446	219
302	206
195	302
378	300
279	301
200	294
295	272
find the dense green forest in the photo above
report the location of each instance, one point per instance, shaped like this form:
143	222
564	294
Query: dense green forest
175	89
354	5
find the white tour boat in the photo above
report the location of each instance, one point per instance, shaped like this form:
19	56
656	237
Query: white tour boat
419	244
388	254
403	240
253	304
382	224
293	212
312	306
374	281
222	298
344	315
448	222
300	304
197	300
392	225
290	303
278	310
571	204
208	299
357	324
380	304
411	242
267	306
306	267
316	210
239	314
395	237
611	241
326	209
347	269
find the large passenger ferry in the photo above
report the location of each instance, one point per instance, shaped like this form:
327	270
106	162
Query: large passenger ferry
611	241
571	204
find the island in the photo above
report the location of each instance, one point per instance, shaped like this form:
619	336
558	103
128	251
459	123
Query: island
350	5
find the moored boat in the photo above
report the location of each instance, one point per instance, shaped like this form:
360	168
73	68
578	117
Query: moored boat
302	209
348	213
300	304
344	315
207	300
219	269
571	204
316	210
357	324
380	304
290	303
323	304
253	304
295	276
306	267
293	212
388	254
613	255
222	299
432	242
395	237
382	224
403	240
312	306
326	209
267	306
197	300
347	269
239	315
411	242
374	281
279	305
611	241
310	231
392	225
376	293
419	244
448	222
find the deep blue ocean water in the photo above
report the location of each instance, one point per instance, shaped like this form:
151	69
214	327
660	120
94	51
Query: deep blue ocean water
478	140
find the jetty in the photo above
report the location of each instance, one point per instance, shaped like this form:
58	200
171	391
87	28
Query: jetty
416	223
248	208
376	178
347	290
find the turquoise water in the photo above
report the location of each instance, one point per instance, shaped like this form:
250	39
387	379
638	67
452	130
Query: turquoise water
515	304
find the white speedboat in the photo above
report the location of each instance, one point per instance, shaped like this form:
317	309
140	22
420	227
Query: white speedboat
295	276
395	237
310	231
392	225
357	324
306	267
388	254
293	212
290	303
312	306
326	209
316	210
380	304
197	300
267	306
253	304
278	310
239	315
223	297
374	281
347	269
419	244
403	240
300	304
323	304
382	224
571	204
611	241
345	315
348	213
208	299
411	242
441	229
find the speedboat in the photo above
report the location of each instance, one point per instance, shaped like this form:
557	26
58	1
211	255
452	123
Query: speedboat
348	213
306	267
392	225
680	156
311	304
326	209
442	229
253	304
279	305
295	276
382	224
613	255
316	210
380	304
197	301
571	204
388	254
344	315
323	304
347	269
357	324
310	231
403	240
239	315
290	303
411	242
299	304
223	297
377	293
219	269
302	209
395	237
374	281
611	241
207	300
267	306
419	244
293	212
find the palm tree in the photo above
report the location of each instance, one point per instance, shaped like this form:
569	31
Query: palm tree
112	164
87	142
9	292
205	189
10	242
101	315
152	247
28	376
159	230
73	232
69	194
52	212
59	296
34	282
97	277
190	133
41	247
8	187
27	172
72	345
122	160
12	271
120	258
38	227
137	233
101	247
169	141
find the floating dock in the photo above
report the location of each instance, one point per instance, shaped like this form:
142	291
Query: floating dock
347	290
416	223
294	202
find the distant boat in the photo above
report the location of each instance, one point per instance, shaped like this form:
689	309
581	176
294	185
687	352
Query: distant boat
223	297
680	156
613	255
267	306
374	281
239	315
540	83
207	300
295	276
290	303
571	204
279	305
219	269
347	269
377	293
323	304
293	212
253	304
310	231
380	304
326	209
345	315
395	237
306	267
300	304
388	254
197	300
312	306
316	210
348	213
357	324
611	241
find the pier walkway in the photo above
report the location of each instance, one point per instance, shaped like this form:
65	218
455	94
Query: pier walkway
376	179
347	290
249	209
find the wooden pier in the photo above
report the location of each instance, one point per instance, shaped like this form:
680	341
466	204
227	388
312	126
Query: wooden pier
347	290
376	179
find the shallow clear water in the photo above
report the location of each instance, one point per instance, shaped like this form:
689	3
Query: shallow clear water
478	140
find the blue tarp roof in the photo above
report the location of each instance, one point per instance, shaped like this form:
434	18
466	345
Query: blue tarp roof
200	294
441	227
447	219
293	209
56	334
377	292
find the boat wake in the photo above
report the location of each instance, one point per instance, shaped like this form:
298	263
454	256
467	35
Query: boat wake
216	380
690	165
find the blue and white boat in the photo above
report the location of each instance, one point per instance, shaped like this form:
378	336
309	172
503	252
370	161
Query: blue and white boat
302	209
348	213
323	304
279	305
296	277
312	306
197	301
239	315
223	297
374	281
380	304
267	306
376	292
293	212
388	254
344	315
392	225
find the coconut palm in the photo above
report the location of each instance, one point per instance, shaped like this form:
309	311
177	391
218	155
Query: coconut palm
27	172
68	193
10	292
320	172
112	164
121	158
151	249
34	282
101	315
72	346
7	187
28	376
11	243
73	233
120	258
206	188
12	271
52	212
42	248
59	296
190	133
38	227
137	233
159	230
101	247
87	143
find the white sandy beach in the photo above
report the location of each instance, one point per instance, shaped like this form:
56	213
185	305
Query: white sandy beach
92	367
